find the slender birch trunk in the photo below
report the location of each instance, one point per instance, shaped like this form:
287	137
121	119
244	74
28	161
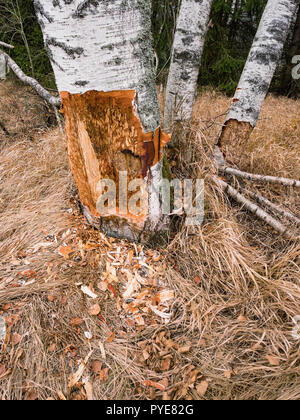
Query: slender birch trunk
185	61
255	81
102	56
2	67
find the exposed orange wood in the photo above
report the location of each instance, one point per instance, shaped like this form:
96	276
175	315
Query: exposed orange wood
105	136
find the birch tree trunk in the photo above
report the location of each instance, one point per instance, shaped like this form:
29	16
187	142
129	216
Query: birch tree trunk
102	56
185	60
3	68
255	81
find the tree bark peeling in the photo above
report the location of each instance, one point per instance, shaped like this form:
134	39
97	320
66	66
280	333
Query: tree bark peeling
105	137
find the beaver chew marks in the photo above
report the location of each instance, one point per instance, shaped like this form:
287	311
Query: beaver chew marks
104	137
235	133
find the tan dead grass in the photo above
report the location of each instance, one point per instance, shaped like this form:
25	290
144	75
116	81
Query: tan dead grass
236	281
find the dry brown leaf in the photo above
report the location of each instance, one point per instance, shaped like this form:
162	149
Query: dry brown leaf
166	364
104	375
228	374
197	280
111	337
273	360
87	291
156	385
78	374
52	347
94	310
15	339
65	251
96	366
76	322
113	290
31	395
202	388
184	349
165	295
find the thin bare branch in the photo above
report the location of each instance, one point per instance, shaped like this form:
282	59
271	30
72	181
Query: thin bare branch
264	201
52	100
253	208
287	182
4	44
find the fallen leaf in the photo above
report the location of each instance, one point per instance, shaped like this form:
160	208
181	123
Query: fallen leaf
113	290
15	339
96	366
104	375
166	364
197	280
78	374
111	337
273	360
65	251
156	385
51	298
52	348
184	349
87	291
165	295
228	374
161	314
146	355
31	395
76	322
94	310
202	388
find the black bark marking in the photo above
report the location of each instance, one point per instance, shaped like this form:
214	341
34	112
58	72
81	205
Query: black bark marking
84	6
81	83
72	52
39	8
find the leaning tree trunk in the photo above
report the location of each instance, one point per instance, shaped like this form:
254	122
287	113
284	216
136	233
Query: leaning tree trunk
185	61
101	53
2	67
255	81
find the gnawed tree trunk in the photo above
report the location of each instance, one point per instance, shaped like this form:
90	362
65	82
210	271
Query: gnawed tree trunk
255	81
185	61
102	56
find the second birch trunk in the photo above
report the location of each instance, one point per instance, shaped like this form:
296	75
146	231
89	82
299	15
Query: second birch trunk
188	46
258	73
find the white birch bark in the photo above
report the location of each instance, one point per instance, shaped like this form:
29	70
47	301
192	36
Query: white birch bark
2	67
185	61
102	45
262	61
106	45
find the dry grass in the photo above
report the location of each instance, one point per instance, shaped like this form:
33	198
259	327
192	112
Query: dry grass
235	319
